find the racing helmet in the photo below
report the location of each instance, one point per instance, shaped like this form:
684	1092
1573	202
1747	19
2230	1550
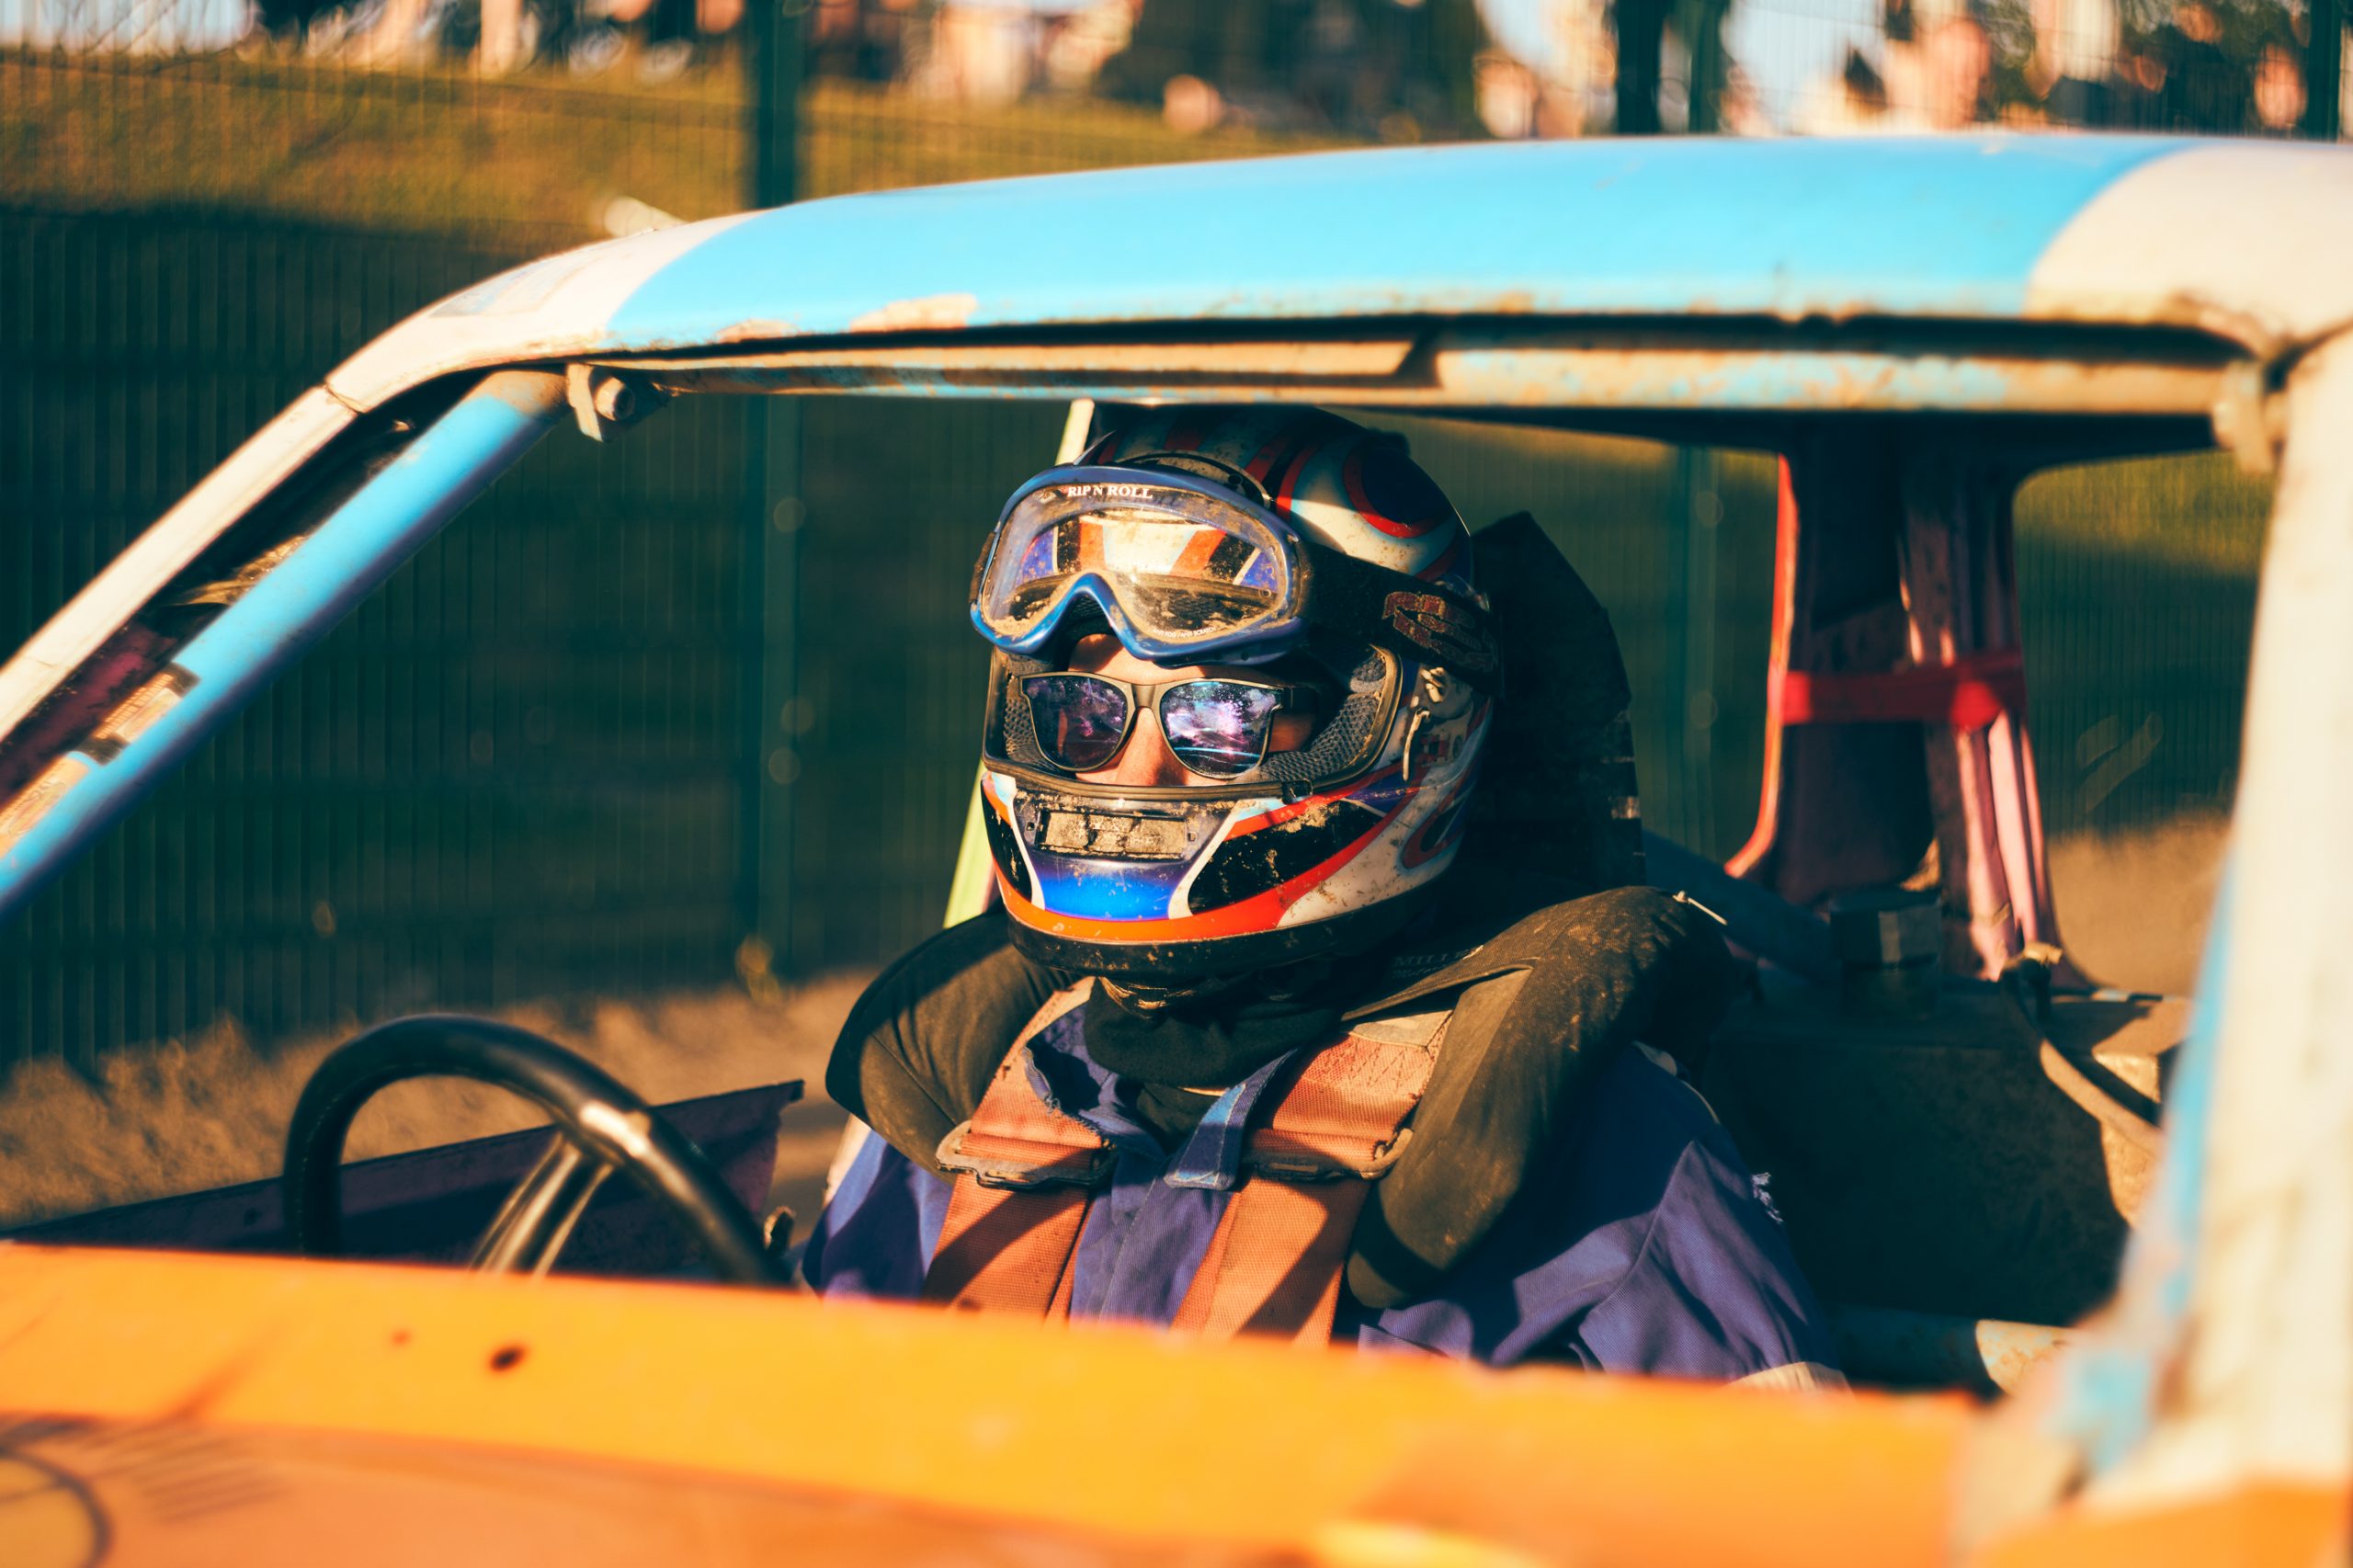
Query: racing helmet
1289	542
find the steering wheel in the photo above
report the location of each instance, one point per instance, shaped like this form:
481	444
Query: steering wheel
601	1127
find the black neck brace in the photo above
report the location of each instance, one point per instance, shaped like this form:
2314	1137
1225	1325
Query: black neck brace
1179	1048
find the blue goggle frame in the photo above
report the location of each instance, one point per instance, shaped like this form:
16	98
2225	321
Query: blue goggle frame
1315	587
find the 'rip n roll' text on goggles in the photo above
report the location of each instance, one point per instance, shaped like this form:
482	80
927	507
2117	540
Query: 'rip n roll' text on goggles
1217	728
1183	567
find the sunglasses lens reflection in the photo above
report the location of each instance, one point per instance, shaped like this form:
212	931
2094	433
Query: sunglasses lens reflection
1218	727
1079	720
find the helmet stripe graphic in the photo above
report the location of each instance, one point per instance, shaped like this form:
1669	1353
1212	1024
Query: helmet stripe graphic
1377	463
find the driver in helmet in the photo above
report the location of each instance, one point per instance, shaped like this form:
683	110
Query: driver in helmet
1236	1051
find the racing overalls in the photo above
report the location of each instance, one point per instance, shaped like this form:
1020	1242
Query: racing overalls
1640	1244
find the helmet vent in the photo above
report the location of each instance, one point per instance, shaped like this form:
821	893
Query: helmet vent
1109	836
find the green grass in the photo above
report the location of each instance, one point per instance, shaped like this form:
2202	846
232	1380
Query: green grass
2197	512
441	148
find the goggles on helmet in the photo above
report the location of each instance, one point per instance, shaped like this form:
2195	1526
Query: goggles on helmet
1184	568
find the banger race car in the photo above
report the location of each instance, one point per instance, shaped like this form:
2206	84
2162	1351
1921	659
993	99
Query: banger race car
2093	1250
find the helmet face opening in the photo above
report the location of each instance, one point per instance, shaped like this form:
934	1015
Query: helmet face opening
1278	541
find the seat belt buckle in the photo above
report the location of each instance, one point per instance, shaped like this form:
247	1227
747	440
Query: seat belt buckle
1018	1164
1299	1163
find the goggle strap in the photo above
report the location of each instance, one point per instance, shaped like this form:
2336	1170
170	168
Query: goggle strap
1426	623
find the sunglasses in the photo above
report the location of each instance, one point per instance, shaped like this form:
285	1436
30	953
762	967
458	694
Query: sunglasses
1217	728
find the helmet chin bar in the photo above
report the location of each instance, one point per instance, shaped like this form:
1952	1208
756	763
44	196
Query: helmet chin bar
1175	963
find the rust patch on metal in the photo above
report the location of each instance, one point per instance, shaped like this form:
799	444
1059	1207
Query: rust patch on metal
31	804
758	330
136	714
932	312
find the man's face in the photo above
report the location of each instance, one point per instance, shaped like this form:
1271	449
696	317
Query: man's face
1144	760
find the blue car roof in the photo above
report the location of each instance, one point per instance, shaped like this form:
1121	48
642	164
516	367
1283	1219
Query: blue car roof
1556	228
2003	227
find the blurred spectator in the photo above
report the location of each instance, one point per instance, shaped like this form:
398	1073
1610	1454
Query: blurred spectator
863	41
1393	68
502	47
1190	105
2345	81
1741	110
976	54
2134	92
2077	45
1552	69
290	21
1510	98
1851	102
1078	42
2279	91
399	34
1939	64
1956	64
2202	88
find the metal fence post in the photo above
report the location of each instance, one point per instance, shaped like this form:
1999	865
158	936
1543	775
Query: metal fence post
1637	26
772	489
2324	65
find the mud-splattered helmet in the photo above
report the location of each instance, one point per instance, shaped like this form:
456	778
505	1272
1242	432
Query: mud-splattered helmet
1290	540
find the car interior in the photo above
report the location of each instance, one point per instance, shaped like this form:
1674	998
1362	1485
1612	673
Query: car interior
1959	1123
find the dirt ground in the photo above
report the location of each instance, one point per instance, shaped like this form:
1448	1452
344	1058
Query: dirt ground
211	1111
2132	906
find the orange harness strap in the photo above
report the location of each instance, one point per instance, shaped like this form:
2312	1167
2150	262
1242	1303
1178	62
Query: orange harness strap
1027	1175
1274	1263
1007	1250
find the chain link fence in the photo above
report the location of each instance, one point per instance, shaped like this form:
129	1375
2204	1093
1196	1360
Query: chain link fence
529	767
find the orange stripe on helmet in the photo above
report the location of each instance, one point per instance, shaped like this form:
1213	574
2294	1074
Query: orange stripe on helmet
1352	481
1290	486
1203	547
1262	462
1284	814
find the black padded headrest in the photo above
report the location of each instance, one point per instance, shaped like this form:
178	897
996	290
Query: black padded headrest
1556	800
